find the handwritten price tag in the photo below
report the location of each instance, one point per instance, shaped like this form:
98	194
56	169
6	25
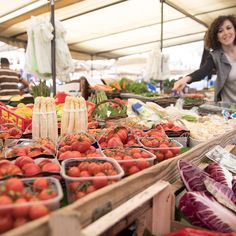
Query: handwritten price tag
223	157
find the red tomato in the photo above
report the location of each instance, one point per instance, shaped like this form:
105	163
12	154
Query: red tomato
6	223
137	155
20	221
94	168
80	194
5	200
74	186
65	148
114	142
145	154
15	185
44	162
40	183
111	172
146	142
123	134
20	211
84	173
73	171
90	189
169	154
163	148
22	160
51	167
82	145
100	182
175	150
142	164
133	170
106	166
160	156
83	165
37	211
46	194
31	169
129	162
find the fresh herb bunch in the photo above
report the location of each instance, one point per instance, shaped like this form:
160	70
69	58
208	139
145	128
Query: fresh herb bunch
41	90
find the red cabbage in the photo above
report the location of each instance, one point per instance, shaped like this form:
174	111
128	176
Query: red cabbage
192	176
222	193
199	207
220	174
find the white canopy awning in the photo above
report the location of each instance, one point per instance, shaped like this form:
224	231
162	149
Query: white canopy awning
115	28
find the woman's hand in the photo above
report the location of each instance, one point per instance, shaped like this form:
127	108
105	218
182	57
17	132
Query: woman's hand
180	84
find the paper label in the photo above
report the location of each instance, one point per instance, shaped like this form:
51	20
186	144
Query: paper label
223	157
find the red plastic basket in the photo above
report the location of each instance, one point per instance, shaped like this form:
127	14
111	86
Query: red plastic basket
10	116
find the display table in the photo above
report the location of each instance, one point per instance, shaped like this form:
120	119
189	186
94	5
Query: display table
95	205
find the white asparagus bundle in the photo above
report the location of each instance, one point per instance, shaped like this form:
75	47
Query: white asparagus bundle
65	116
43	119
36	119
83	115
55	121
52	132
76	120
70	129
74	116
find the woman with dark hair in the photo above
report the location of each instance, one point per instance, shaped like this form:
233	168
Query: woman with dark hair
221	41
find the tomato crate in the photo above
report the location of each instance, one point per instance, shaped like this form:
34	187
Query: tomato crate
83	176
20	121
163	150
132	160
26	200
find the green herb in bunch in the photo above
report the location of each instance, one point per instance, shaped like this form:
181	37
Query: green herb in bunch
150	94
41	90
138	88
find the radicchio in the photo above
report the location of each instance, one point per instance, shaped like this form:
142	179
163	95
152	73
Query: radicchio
199	207
219	174
234	184
222	193
192	176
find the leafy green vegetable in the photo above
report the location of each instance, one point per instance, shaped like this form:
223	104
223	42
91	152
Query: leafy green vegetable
189	118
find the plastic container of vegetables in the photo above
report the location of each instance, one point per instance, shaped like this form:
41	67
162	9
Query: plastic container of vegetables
162	148
84	176
132	160
28	199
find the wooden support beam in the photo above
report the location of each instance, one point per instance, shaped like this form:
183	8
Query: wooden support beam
38	11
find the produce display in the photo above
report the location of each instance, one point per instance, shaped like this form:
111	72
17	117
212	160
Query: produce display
86	176
77	143
77	146
132	160
44	120
74	116
209	196
23	200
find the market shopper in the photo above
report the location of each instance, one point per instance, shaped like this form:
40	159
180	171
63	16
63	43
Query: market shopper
9	79
221	41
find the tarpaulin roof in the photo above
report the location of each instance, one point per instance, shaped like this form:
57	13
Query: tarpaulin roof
115	28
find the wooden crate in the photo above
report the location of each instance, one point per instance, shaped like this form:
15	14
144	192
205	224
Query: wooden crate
99	203
151	209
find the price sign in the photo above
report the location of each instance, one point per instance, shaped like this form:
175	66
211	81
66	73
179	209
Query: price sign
223	157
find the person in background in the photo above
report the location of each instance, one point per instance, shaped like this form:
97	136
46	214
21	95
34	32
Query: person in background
9	80
221	41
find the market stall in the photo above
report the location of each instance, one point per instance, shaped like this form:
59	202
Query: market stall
117	158
126	155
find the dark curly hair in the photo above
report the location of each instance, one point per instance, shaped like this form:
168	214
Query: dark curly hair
211	40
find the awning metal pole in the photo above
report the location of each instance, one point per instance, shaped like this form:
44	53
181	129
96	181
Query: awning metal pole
162	22
53	47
